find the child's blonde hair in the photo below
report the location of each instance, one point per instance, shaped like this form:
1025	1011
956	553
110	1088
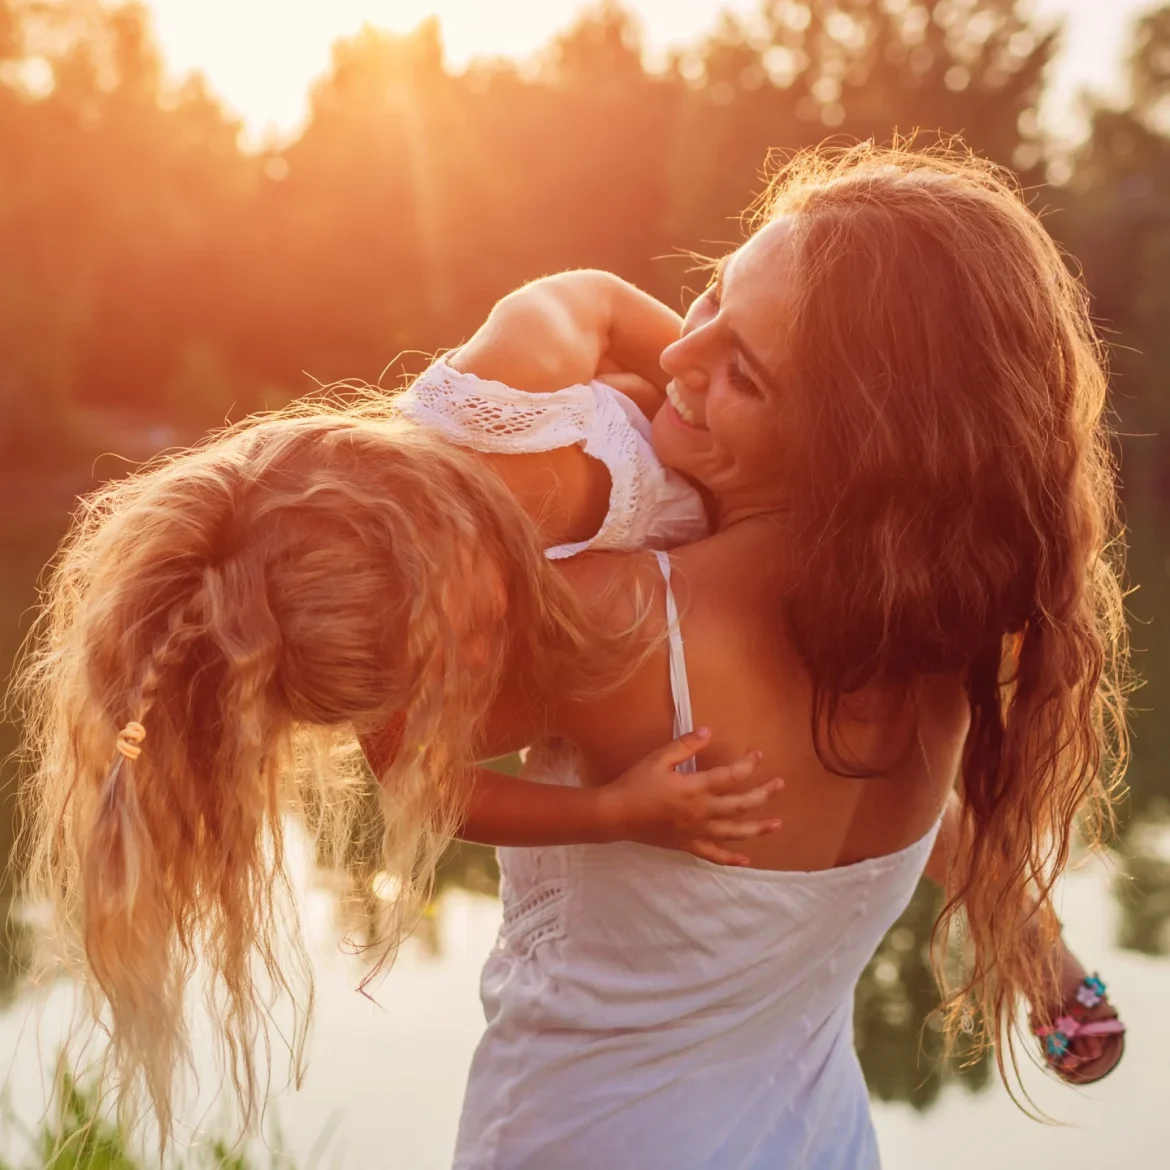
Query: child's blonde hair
320	572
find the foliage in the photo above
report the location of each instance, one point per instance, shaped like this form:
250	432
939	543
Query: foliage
152	263
77	1135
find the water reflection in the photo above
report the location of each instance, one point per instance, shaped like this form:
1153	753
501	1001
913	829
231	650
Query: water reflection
27	540
15	953
1142	888
895	1020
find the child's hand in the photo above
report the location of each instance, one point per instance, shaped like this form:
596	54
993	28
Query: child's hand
696	812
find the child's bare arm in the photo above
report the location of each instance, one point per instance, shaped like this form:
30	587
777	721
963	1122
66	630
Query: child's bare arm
567	329
702	813
651	803
557	332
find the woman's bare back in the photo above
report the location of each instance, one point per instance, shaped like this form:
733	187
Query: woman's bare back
748	686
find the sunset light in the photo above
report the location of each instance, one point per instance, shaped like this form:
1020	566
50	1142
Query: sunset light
262	56
567	580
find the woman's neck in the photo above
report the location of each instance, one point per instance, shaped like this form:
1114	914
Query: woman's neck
733	507
755	541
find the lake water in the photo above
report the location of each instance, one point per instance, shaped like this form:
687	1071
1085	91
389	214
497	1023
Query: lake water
386	1077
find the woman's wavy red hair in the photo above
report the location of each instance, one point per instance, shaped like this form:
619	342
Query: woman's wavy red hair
958	507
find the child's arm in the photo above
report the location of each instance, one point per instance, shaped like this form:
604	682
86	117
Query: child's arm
567	329
651	803
554	335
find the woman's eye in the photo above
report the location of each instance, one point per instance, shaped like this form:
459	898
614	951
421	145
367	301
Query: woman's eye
741	381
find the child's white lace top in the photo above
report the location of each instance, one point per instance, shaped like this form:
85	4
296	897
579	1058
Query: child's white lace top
649	505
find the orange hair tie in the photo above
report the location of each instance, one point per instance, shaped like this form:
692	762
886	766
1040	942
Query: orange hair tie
129	740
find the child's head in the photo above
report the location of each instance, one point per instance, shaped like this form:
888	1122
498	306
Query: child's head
308	571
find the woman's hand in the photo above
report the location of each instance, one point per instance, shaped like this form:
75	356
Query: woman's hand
696	812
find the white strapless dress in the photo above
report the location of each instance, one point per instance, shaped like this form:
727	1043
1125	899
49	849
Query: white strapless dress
647	1010
651	1011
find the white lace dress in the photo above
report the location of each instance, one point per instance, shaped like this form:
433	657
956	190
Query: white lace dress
647	1010
649	505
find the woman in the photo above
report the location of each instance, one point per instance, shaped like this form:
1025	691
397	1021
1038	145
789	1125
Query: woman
868	579
965	493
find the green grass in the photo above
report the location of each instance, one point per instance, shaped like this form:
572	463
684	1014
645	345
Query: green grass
75	1135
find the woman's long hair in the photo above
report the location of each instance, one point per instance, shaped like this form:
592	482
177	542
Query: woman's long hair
957	492
253	605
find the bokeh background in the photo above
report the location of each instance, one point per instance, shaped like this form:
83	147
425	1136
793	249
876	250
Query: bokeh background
177	249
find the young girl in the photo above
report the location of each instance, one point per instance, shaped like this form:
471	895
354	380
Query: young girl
217	629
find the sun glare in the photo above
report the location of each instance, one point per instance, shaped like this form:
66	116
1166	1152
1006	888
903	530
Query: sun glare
261	56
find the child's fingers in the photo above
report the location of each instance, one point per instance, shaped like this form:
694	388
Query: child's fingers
729	778
734	806
716	854
686	747
740	830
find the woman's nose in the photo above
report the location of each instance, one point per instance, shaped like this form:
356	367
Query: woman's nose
680	360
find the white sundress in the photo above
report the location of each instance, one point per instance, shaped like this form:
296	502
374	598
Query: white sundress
647	1010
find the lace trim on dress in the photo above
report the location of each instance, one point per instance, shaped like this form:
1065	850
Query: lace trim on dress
492	417
535	918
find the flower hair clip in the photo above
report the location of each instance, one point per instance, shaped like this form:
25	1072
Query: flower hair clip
130	740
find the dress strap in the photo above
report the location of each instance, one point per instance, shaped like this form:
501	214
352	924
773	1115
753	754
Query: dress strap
680	687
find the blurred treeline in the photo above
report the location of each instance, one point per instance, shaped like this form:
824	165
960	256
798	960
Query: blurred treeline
152	265
157	277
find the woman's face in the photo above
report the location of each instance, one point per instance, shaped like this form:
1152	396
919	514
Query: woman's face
721	423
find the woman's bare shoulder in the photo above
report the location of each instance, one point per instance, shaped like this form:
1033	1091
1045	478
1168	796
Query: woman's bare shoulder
618	587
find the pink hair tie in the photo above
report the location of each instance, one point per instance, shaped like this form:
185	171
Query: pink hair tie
130	739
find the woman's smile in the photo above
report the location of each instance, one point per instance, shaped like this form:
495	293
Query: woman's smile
685	414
